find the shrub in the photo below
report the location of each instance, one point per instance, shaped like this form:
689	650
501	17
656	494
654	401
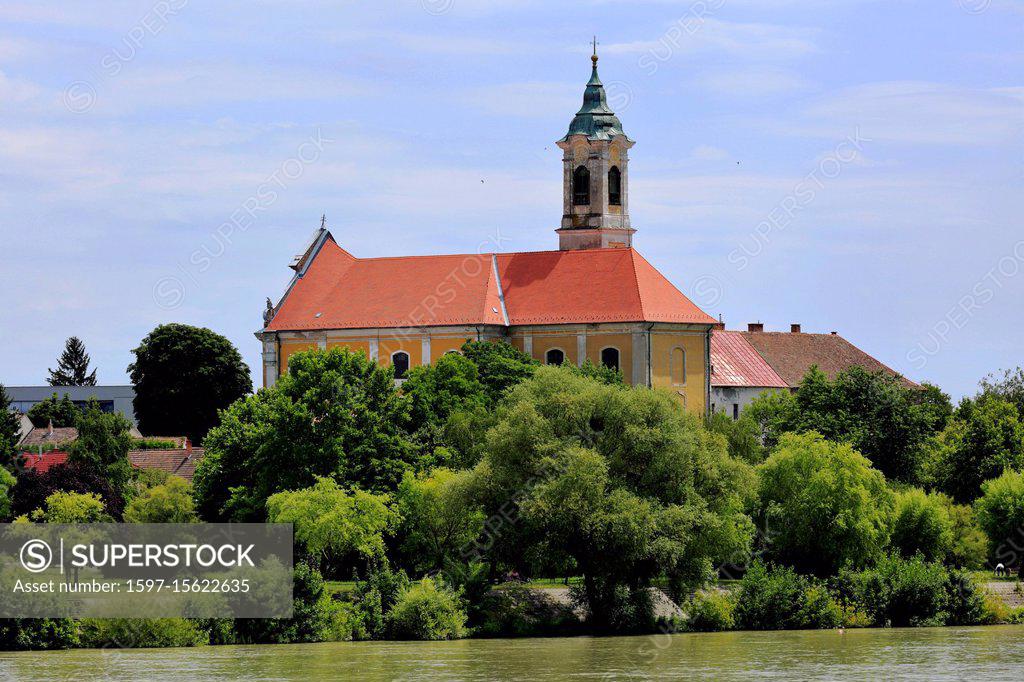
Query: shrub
142	632
922	524
153	444
170	502
428	610
374	597
38	633
1001	514
966	599
315	617
777	598
711	611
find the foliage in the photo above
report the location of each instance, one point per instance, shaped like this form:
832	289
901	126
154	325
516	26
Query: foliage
743	436
985	437
7	482
182	376
822	504
921	524
1000	512
60	411
900	592
62	507
103	443
969	548
1008	387
884	420
10	426
170	502
775	413
315	617
332	523
142	632
335	414
72	366
38	633
439	517
711	611
428	610
375	597
601	373
153	444
621	482
500	365
777	598
32	488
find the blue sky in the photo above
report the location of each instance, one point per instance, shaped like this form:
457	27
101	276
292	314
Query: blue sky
848	165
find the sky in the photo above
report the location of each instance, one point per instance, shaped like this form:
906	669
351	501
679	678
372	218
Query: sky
847	165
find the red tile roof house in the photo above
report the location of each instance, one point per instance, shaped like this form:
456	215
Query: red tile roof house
179	461
745	364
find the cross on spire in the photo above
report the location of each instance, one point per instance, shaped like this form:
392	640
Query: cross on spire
323	221
595	43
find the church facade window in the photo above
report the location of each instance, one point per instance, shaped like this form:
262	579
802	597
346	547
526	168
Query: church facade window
615	186
610	358
400	361
581	186
555	356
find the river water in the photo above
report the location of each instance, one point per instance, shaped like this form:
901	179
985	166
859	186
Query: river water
984	653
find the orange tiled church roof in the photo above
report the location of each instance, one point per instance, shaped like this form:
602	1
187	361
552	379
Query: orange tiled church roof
339	291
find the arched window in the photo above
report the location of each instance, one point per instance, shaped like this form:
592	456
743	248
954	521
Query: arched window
615	186
400	361
554	357
677	366
610	358
581	186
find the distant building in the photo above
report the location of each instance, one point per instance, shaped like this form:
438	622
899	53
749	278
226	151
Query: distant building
745	364
111	398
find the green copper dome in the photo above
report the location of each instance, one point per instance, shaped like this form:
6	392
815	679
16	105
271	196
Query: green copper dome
595	119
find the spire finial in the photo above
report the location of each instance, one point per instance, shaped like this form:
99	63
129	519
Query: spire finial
323	221
593	57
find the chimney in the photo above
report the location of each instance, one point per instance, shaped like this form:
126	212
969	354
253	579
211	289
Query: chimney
755	327
49	428
794	329
835	333
720	325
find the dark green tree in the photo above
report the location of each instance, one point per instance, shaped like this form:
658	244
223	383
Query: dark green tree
182	376
59	411
10	426
104	439
1009	387
500	365
73	366
335	414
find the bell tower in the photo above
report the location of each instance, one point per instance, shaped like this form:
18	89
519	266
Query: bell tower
595	175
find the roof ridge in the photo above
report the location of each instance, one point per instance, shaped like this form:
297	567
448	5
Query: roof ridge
633	253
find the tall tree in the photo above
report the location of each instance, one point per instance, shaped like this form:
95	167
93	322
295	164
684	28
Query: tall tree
182	376
10	425
73	366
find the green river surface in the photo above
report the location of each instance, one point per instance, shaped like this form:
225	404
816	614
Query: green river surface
981	653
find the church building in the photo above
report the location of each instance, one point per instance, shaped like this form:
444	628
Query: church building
594	298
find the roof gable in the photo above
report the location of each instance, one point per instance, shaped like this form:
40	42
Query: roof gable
734	362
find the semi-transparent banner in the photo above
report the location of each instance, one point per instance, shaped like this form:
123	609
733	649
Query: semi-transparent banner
146	570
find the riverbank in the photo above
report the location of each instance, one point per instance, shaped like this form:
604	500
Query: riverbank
989	653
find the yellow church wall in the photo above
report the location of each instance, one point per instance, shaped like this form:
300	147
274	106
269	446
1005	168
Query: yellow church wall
411	345
665	373
566	343
438	347
354	346
624	342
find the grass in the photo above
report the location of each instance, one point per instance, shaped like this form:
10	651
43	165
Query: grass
987	576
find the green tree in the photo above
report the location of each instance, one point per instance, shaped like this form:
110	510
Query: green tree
428	610
602	373
775	413
62	507
500	365
10	426
743	436
439	517
333	524
335	414
621	482
1008	387
59	411
103	442
73	366
1001	514
822	505
922	524
985	437
776	598
7	482
182	376
169	502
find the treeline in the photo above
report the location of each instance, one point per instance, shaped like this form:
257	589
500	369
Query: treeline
854	501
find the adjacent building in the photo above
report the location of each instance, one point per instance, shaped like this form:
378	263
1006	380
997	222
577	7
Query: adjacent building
110	398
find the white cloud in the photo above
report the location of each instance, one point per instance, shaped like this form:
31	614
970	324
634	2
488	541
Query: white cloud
690	35
752	82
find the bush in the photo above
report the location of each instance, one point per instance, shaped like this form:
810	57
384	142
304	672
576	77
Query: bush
777	598
373	598
711	611
170	502
142	632
315	618
1001	514
38	633
428	610
922	524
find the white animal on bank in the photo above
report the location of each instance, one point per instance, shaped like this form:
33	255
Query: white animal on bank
1000	570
